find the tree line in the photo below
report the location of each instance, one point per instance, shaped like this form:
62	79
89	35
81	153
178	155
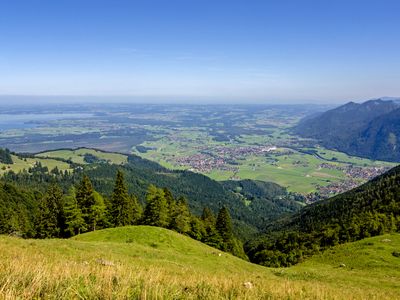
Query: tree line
82	209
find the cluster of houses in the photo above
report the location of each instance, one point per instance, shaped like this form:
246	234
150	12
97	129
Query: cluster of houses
220	158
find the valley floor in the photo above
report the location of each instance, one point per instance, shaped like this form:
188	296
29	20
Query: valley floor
142	262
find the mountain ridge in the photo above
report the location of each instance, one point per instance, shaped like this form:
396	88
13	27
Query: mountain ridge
370	129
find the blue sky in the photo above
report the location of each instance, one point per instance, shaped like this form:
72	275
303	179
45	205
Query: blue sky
197	50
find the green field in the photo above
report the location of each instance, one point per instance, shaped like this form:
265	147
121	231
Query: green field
141	262
77	156
300	178
299	172
49	159
24	164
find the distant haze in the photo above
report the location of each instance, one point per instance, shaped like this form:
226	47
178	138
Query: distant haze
199	51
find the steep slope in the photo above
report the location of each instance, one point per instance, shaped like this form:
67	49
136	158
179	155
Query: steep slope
265	198
380	138
141	262
369	210
358	129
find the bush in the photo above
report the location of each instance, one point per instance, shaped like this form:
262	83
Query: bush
396	253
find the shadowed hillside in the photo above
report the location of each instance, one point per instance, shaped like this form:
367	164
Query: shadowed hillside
370	129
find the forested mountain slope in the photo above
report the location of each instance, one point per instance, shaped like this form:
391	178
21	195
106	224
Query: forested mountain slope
370	129
369	210
380	138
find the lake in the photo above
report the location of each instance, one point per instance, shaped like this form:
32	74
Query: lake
22	121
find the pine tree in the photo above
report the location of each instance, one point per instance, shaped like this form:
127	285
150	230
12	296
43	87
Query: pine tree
211	236
224	228
122	206
98	211
75	224
180	219
85	199
5	156
171	204
156	211
208	217
137	210
197	230
49	213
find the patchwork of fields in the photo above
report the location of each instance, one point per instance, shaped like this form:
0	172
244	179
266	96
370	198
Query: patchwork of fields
301	169
221	141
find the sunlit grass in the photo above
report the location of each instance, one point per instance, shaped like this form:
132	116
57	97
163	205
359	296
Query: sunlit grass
151	263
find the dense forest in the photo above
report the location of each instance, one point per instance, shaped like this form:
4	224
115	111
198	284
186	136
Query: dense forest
369	210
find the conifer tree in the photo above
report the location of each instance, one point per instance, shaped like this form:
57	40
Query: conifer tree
197	230
98	211
85	199
171	203
48	218
224	228
75	224
208	217
156	211
5	156
122	206
211	236
180	219
137	210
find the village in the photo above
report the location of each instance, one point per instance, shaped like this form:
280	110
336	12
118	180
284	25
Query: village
220	158
352	171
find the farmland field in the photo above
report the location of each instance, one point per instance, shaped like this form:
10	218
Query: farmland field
220	141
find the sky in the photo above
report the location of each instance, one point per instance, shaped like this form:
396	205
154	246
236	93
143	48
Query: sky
197	50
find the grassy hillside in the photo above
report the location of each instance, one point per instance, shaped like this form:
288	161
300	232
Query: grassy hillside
20	164
151	263
77	155
362	265
51	159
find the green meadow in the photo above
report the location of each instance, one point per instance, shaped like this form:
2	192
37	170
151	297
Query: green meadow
77	156
20	164
142	262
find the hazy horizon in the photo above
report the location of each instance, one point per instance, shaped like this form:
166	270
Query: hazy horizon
201	52
10	100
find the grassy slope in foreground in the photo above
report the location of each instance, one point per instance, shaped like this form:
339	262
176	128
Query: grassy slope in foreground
154	263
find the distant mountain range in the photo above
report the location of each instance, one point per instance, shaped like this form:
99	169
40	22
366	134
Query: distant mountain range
370	129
